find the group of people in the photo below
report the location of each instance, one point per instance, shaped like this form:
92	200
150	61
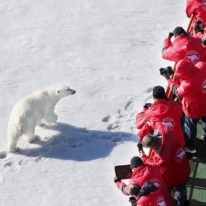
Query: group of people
168	126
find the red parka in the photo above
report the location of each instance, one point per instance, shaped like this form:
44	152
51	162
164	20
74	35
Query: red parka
163	116
171	159
196	7
149	173
191	87
183	47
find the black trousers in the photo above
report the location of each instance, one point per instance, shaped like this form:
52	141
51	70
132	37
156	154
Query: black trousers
190	129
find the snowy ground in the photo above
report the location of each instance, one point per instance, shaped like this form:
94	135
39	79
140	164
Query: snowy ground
110	52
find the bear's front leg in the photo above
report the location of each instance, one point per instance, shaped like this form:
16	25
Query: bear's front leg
30	134
41	123
51	118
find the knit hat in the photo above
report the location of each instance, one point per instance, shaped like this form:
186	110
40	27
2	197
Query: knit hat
134	189
135	162
159	92
149	140
179	30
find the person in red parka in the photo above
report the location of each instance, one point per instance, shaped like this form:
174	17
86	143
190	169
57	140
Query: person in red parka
173	163
183	47
192	90
196	8
163	115
146	185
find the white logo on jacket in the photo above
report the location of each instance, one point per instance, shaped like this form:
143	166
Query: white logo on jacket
161	202
204	4
168	123
192	56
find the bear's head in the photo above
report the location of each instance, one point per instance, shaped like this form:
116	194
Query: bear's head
63	91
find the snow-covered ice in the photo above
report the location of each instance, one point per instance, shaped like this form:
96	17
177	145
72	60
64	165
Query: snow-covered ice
107	50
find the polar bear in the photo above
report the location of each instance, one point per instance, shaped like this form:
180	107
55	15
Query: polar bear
35	109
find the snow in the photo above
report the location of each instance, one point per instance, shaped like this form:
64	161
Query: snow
107	50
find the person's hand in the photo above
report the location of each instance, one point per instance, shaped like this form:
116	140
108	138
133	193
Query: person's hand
147	105
140	148
132	200
141	153
117	179
147	188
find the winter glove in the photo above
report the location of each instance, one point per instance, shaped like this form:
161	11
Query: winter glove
198	27
147	105
170	35
132	200
147	188
140	147
117	179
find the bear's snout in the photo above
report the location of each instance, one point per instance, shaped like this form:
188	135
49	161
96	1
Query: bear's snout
70	91
73	91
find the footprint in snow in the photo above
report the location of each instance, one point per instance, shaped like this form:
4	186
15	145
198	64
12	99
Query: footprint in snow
128	105
24	163
106	119
11	167
40	159
112	126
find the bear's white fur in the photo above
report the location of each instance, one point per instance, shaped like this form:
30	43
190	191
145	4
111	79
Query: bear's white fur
35	109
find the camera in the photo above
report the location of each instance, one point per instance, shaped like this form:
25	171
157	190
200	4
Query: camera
166	72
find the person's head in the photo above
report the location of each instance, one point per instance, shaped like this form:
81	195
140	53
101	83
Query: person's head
151	141
179	31
134	190
158	92
136	162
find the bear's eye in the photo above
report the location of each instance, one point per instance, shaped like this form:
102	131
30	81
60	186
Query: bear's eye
68	89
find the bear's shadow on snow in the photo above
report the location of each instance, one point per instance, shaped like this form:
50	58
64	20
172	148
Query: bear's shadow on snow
78	144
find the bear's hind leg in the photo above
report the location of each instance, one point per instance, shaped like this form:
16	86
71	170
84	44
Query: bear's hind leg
13	134
30	134
12	143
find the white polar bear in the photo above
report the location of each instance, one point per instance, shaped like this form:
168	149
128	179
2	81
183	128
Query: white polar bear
35	109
